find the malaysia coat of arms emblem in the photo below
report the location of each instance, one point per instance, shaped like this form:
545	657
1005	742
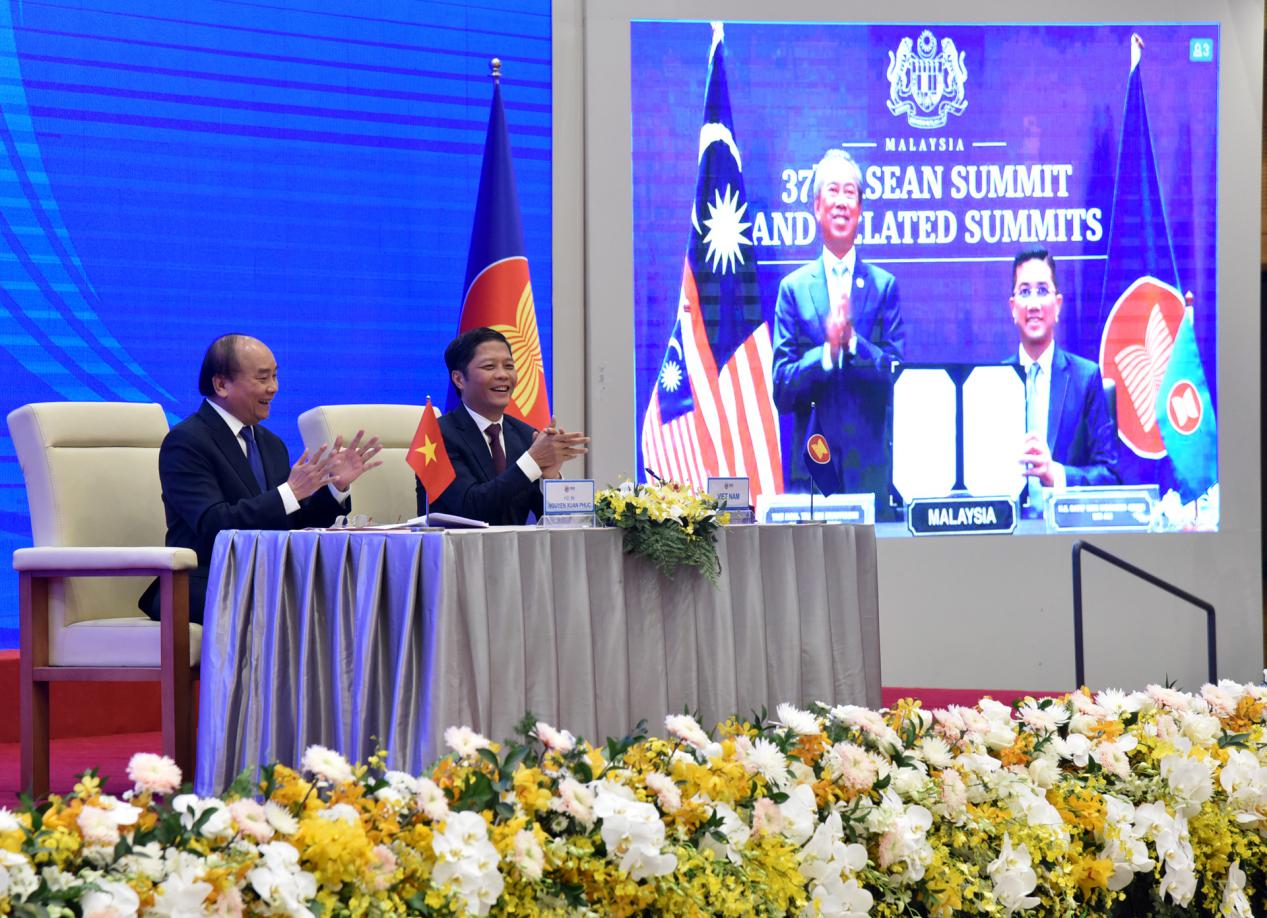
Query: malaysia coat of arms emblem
925	85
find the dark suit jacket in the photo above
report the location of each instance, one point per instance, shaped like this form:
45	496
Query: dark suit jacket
1080	430
853	400
501	500
208	486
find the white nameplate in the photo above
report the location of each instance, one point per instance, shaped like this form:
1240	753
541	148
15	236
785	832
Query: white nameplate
732	493
567	496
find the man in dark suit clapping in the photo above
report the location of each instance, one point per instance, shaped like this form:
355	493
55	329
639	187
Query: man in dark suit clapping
498	460
220	469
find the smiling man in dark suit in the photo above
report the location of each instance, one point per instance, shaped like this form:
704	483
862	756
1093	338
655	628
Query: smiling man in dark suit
837	332
1070	437
498	460
220	469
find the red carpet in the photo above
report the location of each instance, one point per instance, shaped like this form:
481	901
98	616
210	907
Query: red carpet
74	755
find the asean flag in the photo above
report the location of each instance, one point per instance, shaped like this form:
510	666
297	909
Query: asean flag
498	290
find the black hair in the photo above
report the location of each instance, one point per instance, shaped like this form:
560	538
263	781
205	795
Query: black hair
1035	253
221	359
461	350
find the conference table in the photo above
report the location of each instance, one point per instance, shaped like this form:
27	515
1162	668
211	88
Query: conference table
367	639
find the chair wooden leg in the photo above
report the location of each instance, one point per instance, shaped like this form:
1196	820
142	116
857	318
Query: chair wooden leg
177	676
33	628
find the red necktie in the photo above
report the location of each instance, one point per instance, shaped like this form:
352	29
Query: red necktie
495	444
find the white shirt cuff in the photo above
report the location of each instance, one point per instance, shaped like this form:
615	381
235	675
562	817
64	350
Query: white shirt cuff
529	467
1058	476
289	501
853	344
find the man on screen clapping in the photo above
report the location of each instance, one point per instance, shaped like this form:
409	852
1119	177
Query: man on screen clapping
837	333
1070	437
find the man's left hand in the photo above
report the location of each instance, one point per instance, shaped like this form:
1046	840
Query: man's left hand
1036	460
352	461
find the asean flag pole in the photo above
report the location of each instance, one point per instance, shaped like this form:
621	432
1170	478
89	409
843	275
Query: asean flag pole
712	410
498	290
1148	347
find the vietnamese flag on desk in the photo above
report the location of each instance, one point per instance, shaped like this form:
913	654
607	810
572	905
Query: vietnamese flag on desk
428	457
498	290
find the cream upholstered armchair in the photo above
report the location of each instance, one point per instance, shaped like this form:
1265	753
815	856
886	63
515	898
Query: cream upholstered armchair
91	471
386	494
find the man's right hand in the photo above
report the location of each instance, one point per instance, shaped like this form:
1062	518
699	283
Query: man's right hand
554	446
310	473
839	327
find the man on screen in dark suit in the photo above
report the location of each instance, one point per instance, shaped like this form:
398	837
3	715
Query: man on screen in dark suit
837	332
220	469
498	460
1070	437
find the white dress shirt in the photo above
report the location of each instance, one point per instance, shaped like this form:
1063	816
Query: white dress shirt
526	463
1042	397
289	501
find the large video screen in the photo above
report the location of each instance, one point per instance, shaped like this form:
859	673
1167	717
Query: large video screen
951	278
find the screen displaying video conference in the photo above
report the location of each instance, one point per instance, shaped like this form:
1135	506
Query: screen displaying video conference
946	278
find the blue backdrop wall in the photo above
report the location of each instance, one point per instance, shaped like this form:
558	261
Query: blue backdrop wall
305	173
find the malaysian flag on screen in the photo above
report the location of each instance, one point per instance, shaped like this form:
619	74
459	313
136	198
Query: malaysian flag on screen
703	421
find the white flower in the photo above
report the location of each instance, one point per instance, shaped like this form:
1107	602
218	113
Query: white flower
1076	748
852	767
1190	781
280	818
802	723
528	855
466	861
903	834
326	764
800	814
180	897
576	800
1202	729
400	788
954	797
340	812
251	819
1244	779
278	880
554	740
1044	771
666	790
1168	698
1044	719
687	729
824	861
109	898
9	822
431	800
18	878
1235	902
1118	703
633	834
733	829
1013	877
156	774
210	814
872	724
762	757
100	824
934	751
144	860
465	741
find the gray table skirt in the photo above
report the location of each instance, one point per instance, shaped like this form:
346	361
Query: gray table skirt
361	640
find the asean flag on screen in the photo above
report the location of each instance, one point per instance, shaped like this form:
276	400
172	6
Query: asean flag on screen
712	411
498	290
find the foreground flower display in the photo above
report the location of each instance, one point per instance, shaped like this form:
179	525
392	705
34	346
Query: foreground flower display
672	525
1148	803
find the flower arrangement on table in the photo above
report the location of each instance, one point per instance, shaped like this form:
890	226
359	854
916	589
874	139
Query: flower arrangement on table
670	524
1149	803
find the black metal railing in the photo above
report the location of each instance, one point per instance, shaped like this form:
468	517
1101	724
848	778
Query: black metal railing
1211	639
